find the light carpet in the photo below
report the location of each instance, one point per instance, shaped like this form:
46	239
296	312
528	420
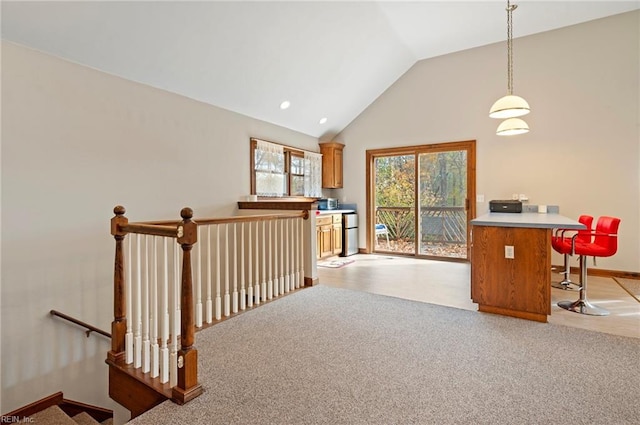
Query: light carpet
335	356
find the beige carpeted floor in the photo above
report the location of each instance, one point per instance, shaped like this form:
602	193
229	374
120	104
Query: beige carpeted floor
335	356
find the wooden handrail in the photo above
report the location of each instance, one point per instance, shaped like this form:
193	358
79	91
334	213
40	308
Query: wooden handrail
154	230
89	327
248	218
235	219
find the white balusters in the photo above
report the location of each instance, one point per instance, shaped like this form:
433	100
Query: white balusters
263	256
256	282
217	265
209	281
137	284
270	262
285	257
243	293
276	254
129	335
234	294
198	281
146	345
249	268
155	348
300	251
164	324
227	296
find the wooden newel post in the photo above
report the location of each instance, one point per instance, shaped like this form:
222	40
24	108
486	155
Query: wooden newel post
119	324
188	387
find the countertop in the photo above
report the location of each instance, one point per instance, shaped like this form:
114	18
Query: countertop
327	212
531	220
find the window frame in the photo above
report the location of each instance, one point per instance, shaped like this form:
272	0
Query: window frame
289	152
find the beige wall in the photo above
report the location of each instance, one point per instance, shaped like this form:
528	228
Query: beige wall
75	143
583	151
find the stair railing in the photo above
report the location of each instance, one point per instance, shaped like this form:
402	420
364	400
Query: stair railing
240	262
153	327
245	260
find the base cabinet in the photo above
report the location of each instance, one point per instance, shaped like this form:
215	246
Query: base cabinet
336	234
518	286
329	235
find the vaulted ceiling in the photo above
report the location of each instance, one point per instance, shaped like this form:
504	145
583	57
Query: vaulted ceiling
329	59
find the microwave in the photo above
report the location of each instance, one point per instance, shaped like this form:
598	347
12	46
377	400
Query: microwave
328	204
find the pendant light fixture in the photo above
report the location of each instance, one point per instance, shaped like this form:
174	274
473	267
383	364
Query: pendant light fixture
510	106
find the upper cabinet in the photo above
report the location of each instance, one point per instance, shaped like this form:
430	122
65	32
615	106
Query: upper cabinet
331	164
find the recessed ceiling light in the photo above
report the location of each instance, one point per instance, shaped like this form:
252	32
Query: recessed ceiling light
323	120
285	104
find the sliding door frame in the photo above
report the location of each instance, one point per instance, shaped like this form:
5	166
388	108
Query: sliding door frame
470	205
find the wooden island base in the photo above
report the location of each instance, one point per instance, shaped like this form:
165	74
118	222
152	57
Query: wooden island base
538	317
511	263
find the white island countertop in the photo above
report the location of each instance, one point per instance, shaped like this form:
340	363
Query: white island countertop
531	220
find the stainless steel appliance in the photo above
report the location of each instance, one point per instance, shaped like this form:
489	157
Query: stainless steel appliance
349	234
328	204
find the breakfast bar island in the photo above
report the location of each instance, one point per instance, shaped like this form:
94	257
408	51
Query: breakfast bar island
511	262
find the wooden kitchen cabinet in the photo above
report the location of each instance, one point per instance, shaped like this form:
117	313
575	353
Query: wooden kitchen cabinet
337	234
329	235
331	164
324	232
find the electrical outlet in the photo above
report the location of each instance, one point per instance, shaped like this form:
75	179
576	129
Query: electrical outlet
479	198
514	196
508	251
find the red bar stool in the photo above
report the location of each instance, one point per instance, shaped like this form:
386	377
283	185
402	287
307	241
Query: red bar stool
605	244
562	242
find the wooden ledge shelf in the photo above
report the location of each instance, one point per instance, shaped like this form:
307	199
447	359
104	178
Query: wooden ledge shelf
280	204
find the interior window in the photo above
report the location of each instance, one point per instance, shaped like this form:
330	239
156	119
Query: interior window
278	170
296	167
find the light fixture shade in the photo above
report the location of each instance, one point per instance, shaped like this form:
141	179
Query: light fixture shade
512	127
509	106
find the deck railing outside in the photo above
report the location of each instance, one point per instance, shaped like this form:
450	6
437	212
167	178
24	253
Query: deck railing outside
439	225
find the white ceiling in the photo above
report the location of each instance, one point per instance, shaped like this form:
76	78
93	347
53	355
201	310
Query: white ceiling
328	58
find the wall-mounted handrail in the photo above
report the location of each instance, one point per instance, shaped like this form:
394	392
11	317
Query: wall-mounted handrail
89	327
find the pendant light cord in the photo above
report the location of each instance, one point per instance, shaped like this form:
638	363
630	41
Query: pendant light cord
510	9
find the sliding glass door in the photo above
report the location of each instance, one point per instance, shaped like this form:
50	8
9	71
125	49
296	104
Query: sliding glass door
418	199
395	203
442	198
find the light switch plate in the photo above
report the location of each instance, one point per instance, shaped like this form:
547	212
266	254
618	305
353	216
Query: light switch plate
509	251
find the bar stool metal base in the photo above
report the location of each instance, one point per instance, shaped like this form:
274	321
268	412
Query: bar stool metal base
583	307
567	285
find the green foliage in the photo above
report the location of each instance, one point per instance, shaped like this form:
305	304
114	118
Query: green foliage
443	178
395	177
